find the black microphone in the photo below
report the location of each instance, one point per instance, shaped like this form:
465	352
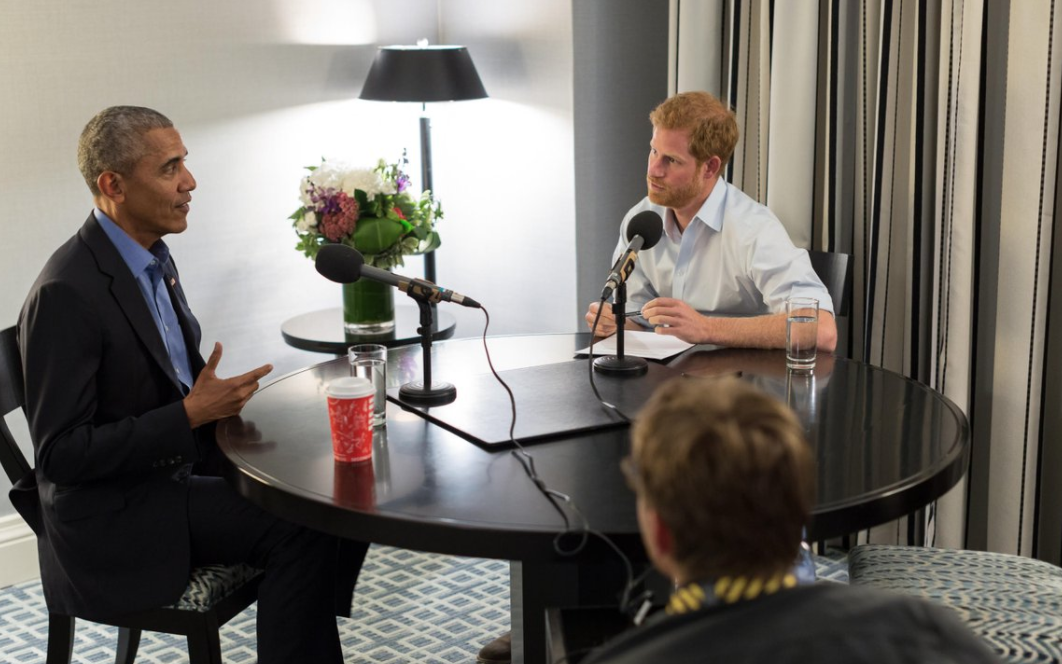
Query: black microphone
643	232
345	265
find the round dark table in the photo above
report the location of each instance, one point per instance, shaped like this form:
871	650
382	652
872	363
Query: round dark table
885	445
322	331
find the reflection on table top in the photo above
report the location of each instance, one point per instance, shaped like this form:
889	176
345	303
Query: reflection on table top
885	446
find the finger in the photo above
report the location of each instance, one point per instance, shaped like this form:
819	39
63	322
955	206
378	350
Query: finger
254	375
214	359
603	328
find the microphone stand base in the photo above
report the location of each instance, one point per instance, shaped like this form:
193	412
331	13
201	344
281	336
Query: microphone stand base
438	394
611	365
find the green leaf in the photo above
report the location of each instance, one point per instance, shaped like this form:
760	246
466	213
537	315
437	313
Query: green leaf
374	235
434	242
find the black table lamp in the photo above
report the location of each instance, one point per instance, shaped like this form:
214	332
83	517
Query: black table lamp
423	73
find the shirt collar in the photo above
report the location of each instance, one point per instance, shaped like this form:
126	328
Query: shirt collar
136	257
710	214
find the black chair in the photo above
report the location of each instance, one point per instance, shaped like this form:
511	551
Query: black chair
215	593
834	271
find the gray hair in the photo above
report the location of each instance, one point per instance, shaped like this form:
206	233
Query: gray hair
112	141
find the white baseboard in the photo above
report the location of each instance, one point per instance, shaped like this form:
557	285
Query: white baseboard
18	551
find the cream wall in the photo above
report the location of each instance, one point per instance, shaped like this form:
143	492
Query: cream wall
260	89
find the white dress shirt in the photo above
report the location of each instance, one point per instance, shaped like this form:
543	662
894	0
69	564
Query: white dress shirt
734	259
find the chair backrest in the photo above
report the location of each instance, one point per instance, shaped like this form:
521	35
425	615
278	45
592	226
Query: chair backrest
12	397
833	270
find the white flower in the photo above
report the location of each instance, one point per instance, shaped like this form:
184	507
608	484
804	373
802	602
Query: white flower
304	193
327	175
366	180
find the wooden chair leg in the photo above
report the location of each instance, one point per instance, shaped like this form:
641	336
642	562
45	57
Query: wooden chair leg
204	642
128	643
60	638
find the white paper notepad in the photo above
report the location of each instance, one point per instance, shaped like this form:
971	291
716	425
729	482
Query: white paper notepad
649	345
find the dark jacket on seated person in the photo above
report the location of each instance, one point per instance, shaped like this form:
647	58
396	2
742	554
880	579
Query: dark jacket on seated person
824	622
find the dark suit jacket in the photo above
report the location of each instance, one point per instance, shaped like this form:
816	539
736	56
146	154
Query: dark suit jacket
823	623
111	438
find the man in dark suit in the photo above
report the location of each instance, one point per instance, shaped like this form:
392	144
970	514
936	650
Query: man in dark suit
725	481
122	406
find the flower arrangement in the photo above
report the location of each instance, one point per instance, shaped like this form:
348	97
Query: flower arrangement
370	210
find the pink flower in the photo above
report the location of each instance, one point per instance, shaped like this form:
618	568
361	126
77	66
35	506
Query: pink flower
340	217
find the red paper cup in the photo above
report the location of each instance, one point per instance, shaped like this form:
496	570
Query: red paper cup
350	414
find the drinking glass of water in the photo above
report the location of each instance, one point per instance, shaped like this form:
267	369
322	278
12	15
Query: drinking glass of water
801	332
370	361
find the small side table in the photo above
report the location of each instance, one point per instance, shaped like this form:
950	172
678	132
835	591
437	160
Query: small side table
322	331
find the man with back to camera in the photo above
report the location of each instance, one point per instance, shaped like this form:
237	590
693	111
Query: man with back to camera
122	407
725	482
725	265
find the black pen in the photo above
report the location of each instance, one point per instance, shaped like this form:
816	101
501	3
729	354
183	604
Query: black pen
632	314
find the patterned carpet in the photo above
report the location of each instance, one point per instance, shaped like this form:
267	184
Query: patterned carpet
409	607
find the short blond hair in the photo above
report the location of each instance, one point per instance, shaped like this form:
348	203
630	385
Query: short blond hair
713	127
730	473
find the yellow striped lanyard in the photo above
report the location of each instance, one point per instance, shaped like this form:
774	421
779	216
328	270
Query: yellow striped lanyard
727	590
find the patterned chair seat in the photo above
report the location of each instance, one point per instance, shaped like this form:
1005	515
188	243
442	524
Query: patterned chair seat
210	584
1013	603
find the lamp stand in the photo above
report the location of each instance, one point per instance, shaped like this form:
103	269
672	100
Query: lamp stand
426	182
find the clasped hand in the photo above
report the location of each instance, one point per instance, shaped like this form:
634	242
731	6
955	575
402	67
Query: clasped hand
667	316
213	398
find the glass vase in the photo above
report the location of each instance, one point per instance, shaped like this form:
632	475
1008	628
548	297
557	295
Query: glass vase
368	307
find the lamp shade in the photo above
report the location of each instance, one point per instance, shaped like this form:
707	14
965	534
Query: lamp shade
423	74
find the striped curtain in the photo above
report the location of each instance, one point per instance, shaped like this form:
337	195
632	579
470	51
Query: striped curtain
876	128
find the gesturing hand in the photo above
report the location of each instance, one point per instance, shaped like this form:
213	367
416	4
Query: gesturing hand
213	398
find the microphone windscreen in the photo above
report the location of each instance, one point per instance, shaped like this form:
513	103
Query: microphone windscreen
339	263
647	224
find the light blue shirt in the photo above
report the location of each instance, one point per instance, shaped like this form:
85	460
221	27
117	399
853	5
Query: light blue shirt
734	259
146	267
